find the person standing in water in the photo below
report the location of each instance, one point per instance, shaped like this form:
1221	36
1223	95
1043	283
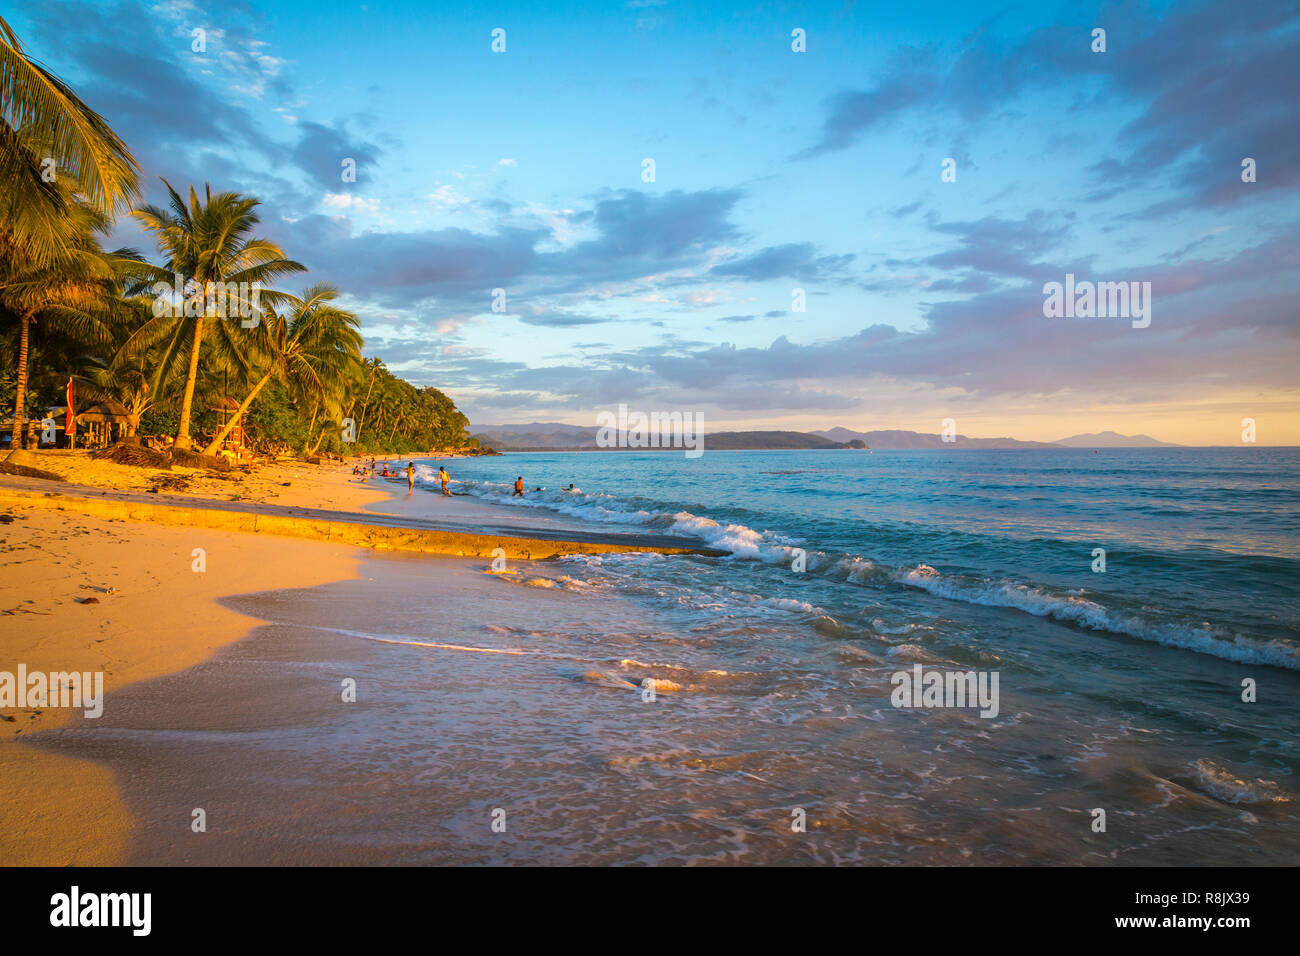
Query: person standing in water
519	487
444	478
410	478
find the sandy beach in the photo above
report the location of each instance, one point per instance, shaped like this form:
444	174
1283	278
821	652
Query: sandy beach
87	592
376	697
150	614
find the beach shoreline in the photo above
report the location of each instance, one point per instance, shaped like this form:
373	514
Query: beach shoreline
523	688
152	608
153	614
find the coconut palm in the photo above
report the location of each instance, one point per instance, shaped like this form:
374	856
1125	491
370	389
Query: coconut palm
76	295
312	348
206	243
136	379
50	138
372	366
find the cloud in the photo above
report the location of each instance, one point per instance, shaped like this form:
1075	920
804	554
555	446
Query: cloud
556	319
1003	247
350	202
853	113
795	260
1209	84
321	150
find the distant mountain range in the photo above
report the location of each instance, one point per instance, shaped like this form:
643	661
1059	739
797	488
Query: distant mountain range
536	435
556	436
1113	440
896	439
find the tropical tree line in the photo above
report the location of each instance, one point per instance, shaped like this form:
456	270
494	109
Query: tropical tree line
283	367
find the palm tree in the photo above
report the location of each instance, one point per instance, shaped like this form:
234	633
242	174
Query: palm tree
372	365
77	293
207	243
46	130
312	350
138	380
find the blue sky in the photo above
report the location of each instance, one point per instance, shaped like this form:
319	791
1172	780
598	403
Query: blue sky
775	170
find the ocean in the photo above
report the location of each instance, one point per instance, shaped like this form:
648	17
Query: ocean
649	709
1120	688
1202	546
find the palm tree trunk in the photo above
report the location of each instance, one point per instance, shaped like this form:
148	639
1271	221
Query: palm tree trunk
319	438
311	427
364	404
20	401
394	431
183	432
230	425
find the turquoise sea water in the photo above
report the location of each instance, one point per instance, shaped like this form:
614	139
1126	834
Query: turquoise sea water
1202	546
1163	692
1121	690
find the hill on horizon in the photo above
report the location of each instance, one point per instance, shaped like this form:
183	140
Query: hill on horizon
1113	440
541	436
897	439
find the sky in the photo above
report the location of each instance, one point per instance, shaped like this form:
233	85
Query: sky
855	234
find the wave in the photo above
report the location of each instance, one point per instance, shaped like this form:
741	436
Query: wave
769	547
1075	609
1224	785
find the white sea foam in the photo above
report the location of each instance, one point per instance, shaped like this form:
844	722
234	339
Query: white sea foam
1224	785
746	543
1078	610
880	627
743	542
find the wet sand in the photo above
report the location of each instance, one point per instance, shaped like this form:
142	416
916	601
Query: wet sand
480	695
96	594
80	790
287	772
153	614
473	529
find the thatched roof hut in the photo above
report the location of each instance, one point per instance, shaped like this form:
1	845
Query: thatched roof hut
106	412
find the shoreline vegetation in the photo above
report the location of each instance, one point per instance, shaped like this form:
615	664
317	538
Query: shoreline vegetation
203	351
123	544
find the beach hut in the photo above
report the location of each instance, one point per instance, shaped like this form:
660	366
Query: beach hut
101	419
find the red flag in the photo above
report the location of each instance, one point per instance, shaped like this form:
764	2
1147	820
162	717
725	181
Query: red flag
68	425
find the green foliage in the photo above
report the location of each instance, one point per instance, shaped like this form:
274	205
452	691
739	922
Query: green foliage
69	309
274	422
393	415
159	421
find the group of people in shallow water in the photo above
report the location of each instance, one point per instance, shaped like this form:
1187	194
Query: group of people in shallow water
519	488
367	471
